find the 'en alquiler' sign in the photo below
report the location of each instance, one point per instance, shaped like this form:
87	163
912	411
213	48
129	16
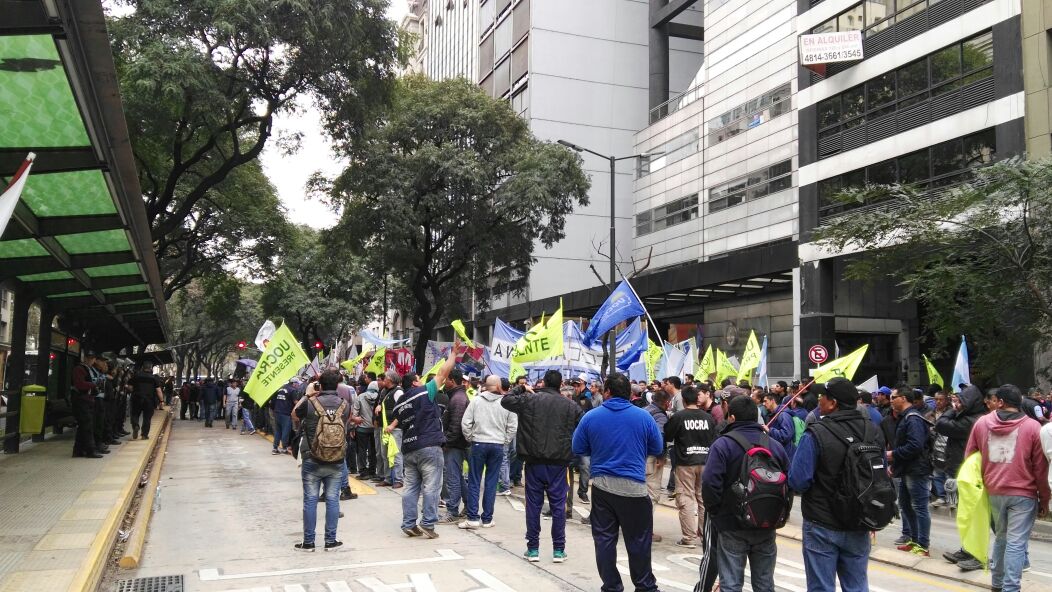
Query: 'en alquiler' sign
827	48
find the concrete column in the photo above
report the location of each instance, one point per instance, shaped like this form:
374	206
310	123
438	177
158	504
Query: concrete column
817	320
659	67
16	365
44	343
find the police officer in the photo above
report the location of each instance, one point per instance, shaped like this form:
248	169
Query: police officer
83	403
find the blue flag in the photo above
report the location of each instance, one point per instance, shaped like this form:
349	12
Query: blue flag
961	371
621	305
631	343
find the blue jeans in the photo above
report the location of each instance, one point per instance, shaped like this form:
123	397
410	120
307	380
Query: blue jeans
488	457
938	481
758	546
456	484
394	472
246	421
1013	517
831	553
282	431
423	474
209	411
547	480
314	474
914	493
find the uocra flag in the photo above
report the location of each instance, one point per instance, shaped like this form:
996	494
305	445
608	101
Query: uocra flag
10	197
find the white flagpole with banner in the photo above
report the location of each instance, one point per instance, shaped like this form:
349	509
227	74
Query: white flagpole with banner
13	193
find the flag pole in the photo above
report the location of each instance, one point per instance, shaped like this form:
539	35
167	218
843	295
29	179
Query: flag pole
653	325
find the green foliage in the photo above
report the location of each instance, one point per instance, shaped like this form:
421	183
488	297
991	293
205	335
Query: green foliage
319	290
201	82
208	316
451	193
977	258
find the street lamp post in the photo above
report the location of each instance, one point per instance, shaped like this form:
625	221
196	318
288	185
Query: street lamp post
613	231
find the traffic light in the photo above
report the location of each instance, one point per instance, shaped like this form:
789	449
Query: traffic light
241	344
318	345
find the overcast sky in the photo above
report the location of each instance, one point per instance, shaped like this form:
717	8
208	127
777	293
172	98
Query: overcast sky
289	173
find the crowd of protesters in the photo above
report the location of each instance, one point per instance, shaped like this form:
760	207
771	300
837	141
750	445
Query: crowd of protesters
452	443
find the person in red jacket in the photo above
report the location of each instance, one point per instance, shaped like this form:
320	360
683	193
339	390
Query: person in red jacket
1015	473
83	404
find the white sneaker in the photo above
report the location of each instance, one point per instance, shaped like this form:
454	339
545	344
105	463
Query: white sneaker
487	524
505	492
469	525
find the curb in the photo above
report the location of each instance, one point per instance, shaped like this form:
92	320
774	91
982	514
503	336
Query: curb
89	574
141	523
1042	528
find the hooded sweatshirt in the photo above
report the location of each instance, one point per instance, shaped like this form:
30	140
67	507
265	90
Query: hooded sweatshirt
486	422
619	437
1013	462
365	405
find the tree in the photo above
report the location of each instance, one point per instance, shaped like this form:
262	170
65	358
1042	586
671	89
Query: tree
322	292
202	81
451	193
977	257
208	317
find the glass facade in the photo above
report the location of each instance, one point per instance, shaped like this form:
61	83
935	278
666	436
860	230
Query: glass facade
503	65
672	151
755	185
936	167
749	115
673	213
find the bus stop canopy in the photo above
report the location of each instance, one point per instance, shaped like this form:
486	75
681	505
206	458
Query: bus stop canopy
79	236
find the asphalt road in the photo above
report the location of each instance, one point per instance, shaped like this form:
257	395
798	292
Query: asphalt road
228	514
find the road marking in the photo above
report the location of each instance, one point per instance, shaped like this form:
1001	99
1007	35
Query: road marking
486	579
213	575
420	582
516	505
909	575
1040	573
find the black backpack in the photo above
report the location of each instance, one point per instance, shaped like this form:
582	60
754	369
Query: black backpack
761	492
865	499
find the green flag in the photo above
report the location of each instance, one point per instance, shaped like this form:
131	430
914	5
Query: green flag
750	359
281	361
543	341
843	366
973	508
350	365
458	326
653	356
708	363
376	364
724	368
933	375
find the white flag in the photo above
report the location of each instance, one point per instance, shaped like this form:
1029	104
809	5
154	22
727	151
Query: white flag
10	197
871	385
264	335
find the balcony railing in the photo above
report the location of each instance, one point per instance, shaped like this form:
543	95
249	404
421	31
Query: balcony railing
674	104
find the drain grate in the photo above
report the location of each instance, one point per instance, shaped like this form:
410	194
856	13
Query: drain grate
152	584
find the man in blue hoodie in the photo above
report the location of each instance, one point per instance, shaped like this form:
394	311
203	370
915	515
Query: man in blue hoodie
618	436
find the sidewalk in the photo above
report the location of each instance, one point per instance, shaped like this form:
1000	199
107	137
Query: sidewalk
59	515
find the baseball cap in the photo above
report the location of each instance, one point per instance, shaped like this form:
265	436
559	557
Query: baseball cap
842	391
884	391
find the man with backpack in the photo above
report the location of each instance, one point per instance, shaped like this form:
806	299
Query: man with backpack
324	419
839	468
747	498
910	458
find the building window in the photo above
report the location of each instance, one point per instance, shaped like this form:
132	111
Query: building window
755	185
934	168
872	16
749	115
487	15
672	151
672	213
949	69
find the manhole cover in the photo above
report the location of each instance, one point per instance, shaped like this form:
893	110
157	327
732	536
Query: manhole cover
152	584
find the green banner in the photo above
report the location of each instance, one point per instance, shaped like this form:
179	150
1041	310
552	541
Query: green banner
279	363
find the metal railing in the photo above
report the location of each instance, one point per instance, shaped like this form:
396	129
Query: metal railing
675	104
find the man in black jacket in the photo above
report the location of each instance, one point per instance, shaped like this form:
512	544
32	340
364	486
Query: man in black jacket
911	463
455	452
956	424
831	548
546	426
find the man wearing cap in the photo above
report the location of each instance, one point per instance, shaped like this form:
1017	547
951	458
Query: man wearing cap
831	549
83	404
584	399
1015	474
146	395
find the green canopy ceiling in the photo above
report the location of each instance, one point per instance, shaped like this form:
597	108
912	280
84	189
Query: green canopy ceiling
79	233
